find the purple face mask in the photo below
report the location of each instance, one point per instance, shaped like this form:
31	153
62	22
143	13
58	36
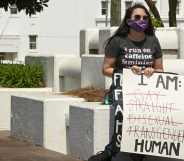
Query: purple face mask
138	25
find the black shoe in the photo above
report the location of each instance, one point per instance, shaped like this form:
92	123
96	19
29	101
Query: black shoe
101	156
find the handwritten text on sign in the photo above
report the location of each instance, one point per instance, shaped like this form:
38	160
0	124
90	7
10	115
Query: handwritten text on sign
153	116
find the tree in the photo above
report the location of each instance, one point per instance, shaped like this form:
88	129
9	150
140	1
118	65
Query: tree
115	12
154	10
30	6
172	13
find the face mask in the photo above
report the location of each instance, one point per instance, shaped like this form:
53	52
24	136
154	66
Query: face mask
138	25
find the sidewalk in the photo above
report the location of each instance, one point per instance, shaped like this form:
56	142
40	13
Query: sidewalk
12	150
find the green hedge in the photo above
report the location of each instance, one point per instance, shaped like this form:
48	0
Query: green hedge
21	76
156	23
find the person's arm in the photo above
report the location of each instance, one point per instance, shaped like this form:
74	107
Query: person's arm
108	66
157	67
112	51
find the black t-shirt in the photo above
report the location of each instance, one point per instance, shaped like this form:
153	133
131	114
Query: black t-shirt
129	53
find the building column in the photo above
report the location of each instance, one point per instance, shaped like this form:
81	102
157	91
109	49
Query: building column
181	42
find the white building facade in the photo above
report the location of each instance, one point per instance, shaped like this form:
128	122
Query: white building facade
162	6
56	30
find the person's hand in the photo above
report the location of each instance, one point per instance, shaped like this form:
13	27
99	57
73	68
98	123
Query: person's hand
136	69
148	72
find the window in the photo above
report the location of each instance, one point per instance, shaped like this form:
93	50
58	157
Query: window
104	7
178	7
13	9
128	4
33	42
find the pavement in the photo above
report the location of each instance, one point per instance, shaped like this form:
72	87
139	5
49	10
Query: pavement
13	150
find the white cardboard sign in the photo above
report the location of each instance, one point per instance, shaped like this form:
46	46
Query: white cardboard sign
153	114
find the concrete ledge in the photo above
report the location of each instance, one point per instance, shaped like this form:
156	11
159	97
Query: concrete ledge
174	65
171	40
104	34
89	39
181	42
89	128
91	71
91	74
42	120
5	97
168	37
69	73
67	69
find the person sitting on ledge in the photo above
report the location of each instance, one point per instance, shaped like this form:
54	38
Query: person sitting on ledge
135	46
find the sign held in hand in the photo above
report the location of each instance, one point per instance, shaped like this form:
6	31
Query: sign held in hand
153	114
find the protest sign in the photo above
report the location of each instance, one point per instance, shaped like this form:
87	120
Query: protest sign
153	114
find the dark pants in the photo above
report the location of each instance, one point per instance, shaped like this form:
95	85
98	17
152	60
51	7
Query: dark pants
117	117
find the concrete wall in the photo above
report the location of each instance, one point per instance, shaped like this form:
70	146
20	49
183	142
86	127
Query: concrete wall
89	39
171	40
81	130
181	42
47	62
60	72
5	97
89	128
69	73
174	65
91	74
91	71
104	34
42	120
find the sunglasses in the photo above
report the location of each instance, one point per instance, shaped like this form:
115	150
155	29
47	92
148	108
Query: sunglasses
138	17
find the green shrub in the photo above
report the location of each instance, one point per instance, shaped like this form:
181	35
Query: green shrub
156	23
21	76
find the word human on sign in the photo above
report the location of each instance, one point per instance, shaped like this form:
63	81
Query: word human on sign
157	146
153	122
